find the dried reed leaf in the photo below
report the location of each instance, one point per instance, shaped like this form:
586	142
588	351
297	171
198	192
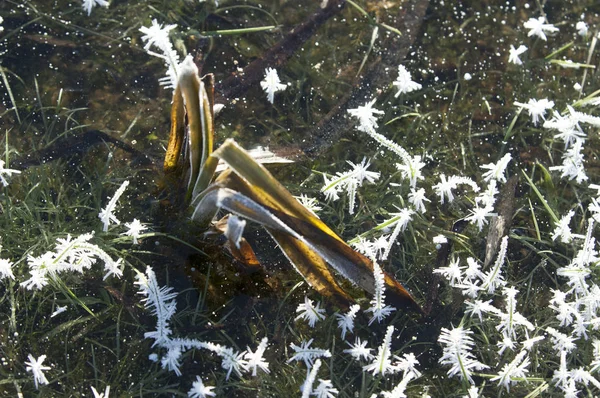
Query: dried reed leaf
177	136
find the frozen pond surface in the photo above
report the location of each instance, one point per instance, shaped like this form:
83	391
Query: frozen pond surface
453	146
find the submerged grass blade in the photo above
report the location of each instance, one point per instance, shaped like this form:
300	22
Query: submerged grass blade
541	198
534	219
10	93
232	32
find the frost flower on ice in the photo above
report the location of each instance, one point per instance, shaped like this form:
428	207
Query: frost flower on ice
528	344
411	169
158	36
311	204
514	53
596	187
583	117
106	214
255	359
565	379
439	240
445	186
453	272
360	173
399	390
488	197
272	84
538	27
233	361
570	389
346	321
582	28
536	108
349	181
594	208
473	270
577	274
382	363
411	166
560	341
104	394
473	392
359	350
478	307
584	377
572	166
457	344
479	215
417	199
332	188
516	369
596	362
568	127
378	307
493	278
35	366
578	270
404	82
6	172
407	364
562	230
309	312
171	359
59	310
199	390
305	353
325	389
505	343
372	249
366	116
134	229
75	255
566	312
511	318
588	254
399	221
306	387
160	301
89	4
470	288
6	269
497	170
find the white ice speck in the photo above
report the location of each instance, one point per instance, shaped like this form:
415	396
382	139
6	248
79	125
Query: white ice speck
404	82
538	27
35	366
513	54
